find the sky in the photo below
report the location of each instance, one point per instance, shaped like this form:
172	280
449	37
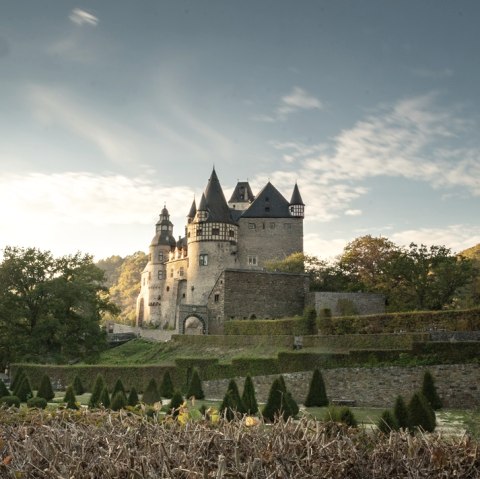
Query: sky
112	108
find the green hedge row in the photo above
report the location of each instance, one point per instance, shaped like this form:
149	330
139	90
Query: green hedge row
416	321
233	341
448	352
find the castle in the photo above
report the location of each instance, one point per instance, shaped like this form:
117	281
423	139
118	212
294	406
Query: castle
215	272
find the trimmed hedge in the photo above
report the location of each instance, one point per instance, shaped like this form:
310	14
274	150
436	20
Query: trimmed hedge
266	327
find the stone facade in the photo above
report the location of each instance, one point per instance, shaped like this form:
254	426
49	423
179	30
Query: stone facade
345	304
457	384
193	284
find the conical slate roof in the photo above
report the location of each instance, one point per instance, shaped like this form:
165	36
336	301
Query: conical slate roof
269	203
296	197
193	210
242	193
215	203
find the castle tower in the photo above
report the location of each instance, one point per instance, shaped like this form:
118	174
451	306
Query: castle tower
297	206
212	242
242	196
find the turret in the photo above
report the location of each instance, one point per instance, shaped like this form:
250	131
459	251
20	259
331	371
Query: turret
297	206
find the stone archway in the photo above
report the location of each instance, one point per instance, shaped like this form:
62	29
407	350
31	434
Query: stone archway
194	325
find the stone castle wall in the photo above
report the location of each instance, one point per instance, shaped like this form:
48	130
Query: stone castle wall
457	384
344	304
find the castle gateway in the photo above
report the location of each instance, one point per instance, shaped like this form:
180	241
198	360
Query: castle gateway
216	271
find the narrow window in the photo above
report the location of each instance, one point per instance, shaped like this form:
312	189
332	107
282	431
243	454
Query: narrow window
203	260
181	271
199	231
231	233
252	260
171	273
215	231
251	226
160	275
160	256
216	298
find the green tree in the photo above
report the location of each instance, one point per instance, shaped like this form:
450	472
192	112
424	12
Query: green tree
232	402
175	403
24	391
132	397
429	390
276	403
387	422
70	399
166	387
249	399
17	379
119	401
78	385
317	396
195	387
3	390
400	412
105	398
98	387
51	308
118	387
420	413
45	390
151	394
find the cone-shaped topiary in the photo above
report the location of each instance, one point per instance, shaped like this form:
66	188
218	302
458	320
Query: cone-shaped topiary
228	407
105	398
292	408
420	413
234	401
3	390
275	405
151	394
249	399
37	402
119	401
430	391
166	388
17	379
70	399
175	403
78	385
400	412
132	397
195	387
317	395
45	390
387	422
97	391
24	390
118	387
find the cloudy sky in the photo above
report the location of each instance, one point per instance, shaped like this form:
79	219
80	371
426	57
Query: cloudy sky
111	108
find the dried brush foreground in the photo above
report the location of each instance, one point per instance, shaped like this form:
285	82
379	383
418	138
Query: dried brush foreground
103	445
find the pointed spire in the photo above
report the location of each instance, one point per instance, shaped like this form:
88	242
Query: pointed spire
216	204
296	197
203	203
193	210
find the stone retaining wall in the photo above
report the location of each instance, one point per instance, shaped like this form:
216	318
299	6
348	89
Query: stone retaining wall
457	384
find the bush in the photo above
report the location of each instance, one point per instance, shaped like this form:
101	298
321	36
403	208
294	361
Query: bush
420	413
175	403
70	399
430	391
341	414
310	319
276	405
232	402
387	422
249	399
132	397
45	390
10	401
78	385
195	387
3	390
105	398
317	395
151	394
119	401
166	388
118	387
98	387
37	402
24	390
400	412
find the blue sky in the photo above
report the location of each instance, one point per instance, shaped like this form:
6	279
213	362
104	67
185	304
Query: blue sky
111	108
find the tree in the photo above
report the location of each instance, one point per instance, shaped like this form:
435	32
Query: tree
166	388
105	398
276	403
24	390
18	378
317	395
119	401
98	387
132	397
420	413
3	390
70	399
249	399
175	403
430	391
400	412
387	422
195	387
151	394
118	387
45	390
232	402
51	308
78	385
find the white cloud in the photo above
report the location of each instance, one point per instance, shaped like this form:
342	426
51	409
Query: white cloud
353	212
82	17
298	99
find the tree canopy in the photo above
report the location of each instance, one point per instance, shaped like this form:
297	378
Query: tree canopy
50	308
